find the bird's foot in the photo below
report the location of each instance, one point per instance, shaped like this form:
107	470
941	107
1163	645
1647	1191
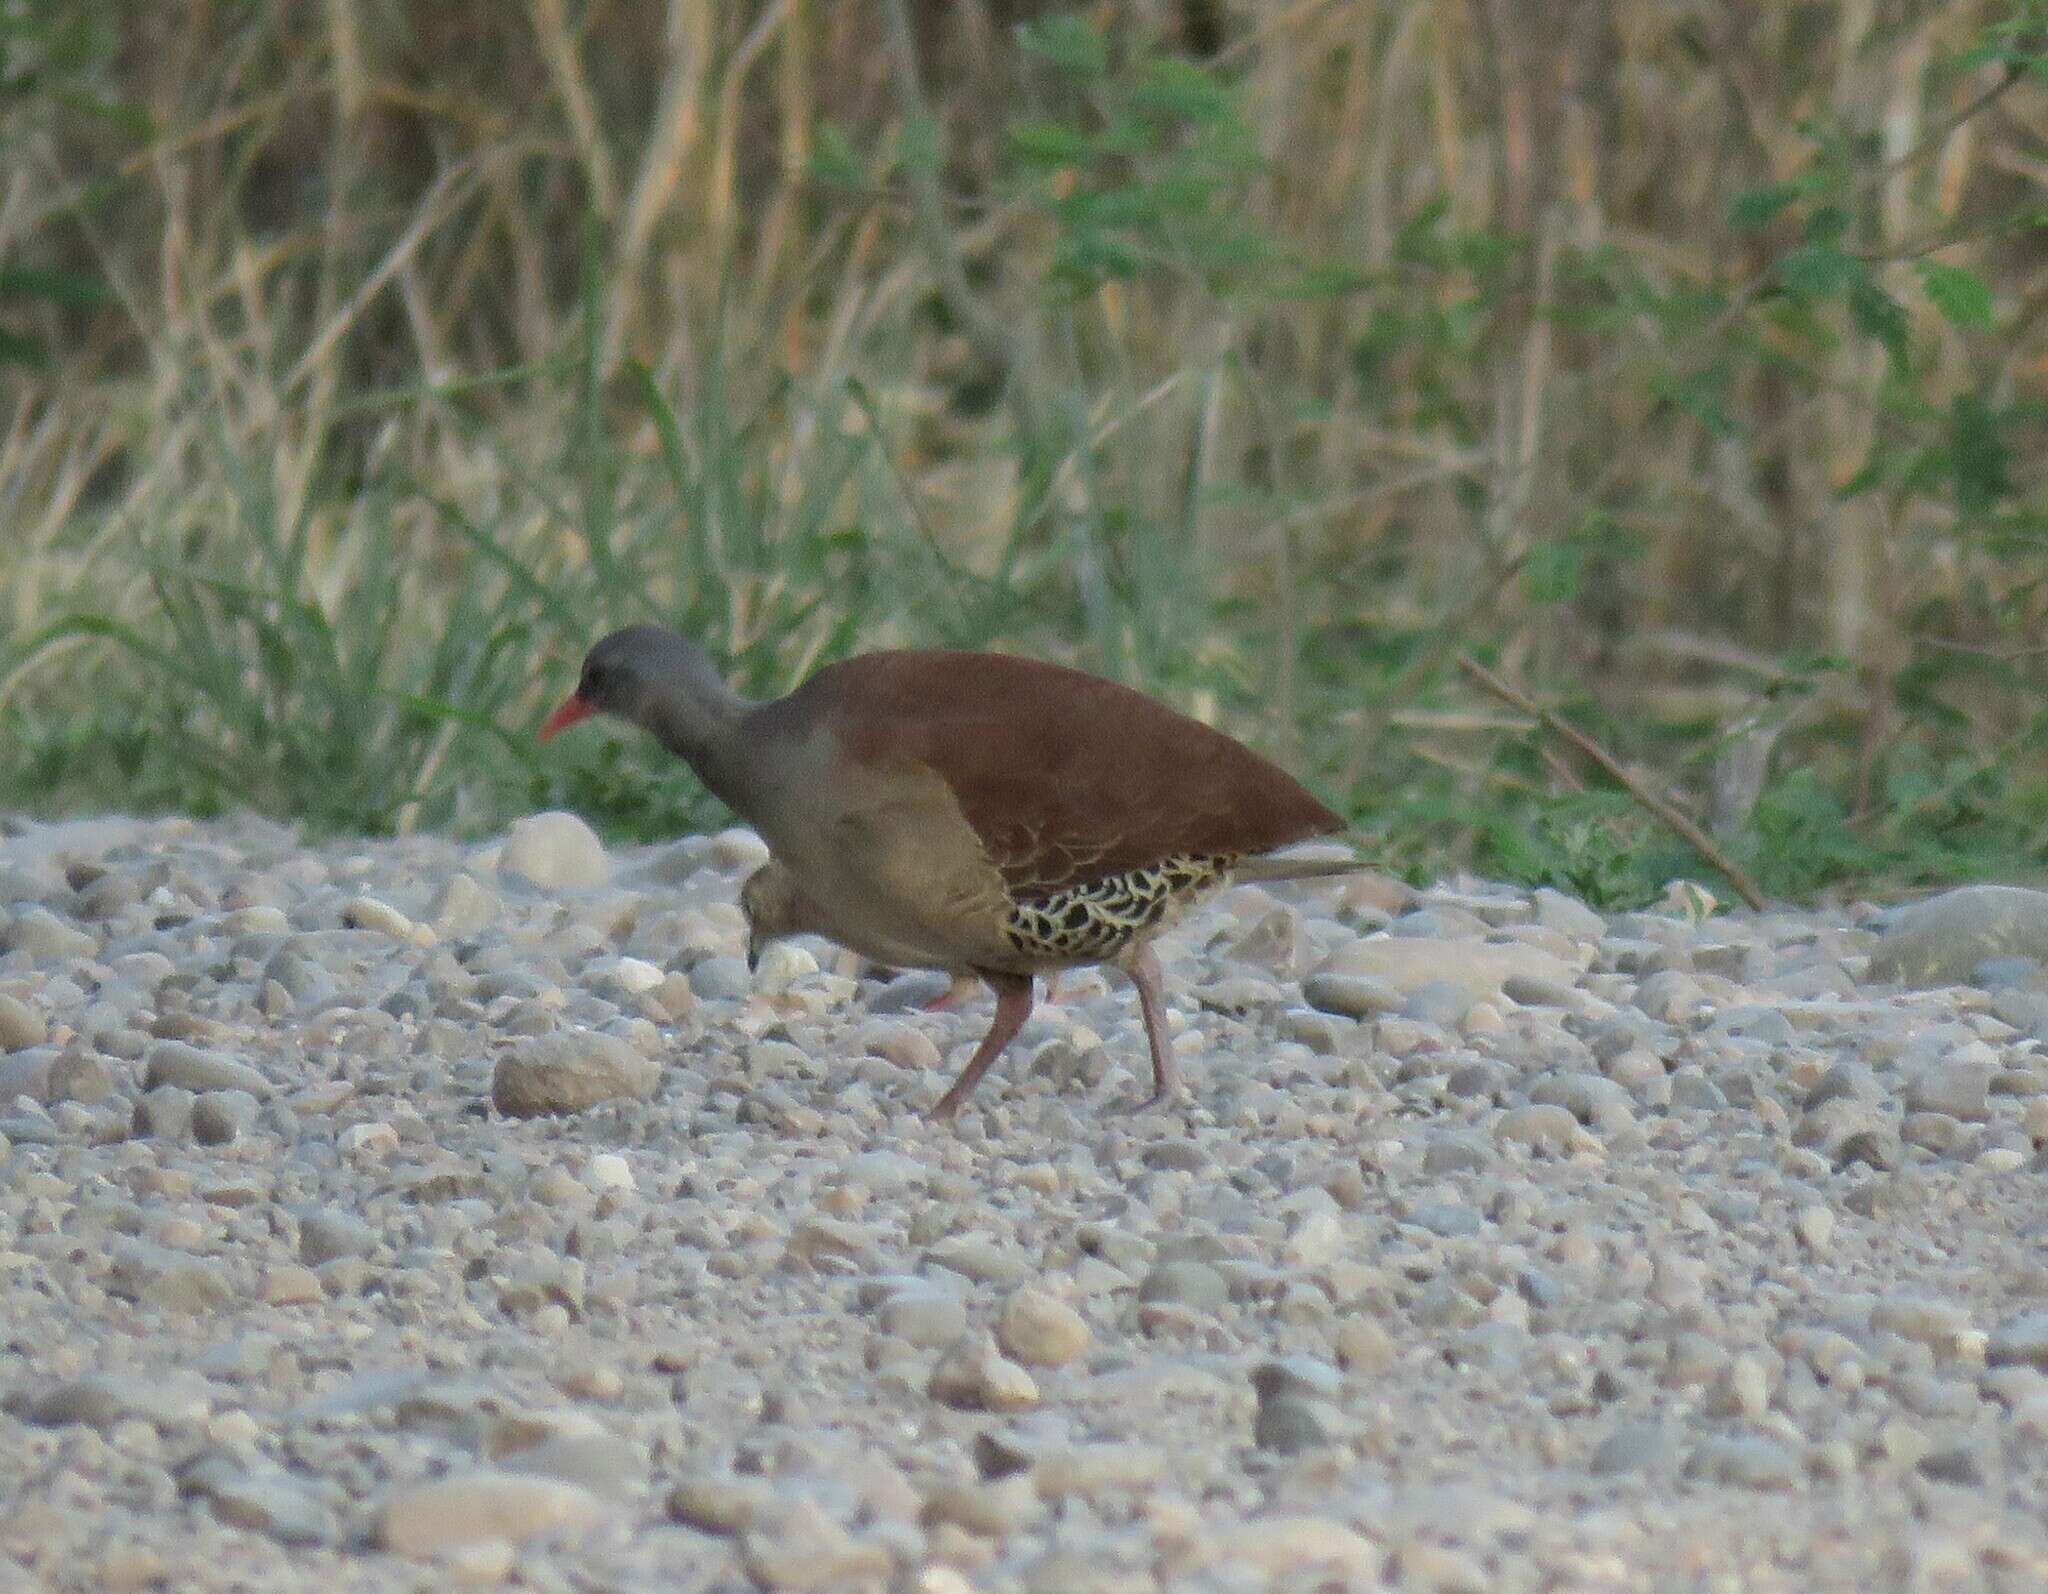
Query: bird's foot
1162	1098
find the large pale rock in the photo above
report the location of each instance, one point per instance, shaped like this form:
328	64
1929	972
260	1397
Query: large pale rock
483	1504
1942	940
554	851
1478	968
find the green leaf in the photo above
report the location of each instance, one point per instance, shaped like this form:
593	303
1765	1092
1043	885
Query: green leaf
1051	144
1753	207
1699	395
1172	88
1067	43
1819	271
1958	293
917	142
1879	314
72	288
15	349
1977	454
1553	571
834	160
1826	224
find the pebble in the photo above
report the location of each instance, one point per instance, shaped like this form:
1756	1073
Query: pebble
220	1117
1959	1090
1749	1461
1040	1330
368	913
21	1026
1284	1545
191	1068
1815	1227
554	852
719	1502
103	1400
1632	1447
423	1519
1544	1128
570	1071
464	907
288	1284
974	1375
40	934
1186	1283
1351	995
325	1233
804	1549
1478	969
267	1500
81	1077
2020	1341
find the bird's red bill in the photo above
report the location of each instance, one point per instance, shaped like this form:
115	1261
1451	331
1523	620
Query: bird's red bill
573	709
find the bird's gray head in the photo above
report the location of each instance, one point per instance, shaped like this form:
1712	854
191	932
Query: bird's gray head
774	907
648	675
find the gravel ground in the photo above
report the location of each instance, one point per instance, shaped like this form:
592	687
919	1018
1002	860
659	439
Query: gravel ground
406	1215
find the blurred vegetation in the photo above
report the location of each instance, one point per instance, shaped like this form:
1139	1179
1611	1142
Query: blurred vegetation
1688	363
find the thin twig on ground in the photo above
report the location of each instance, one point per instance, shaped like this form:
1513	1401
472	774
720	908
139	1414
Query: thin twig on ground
1557	725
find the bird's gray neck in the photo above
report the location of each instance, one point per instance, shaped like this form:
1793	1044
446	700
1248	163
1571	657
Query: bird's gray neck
698	719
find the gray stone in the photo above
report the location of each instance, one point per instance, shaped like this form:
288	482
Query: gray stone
923	1314
1350	995
1942	940
1449	1219
1186	1283
220	1117
164	1113
611	1467
326	1233
1289	1424
1542	1127
2007	973
2020	1342
1959	1089
100	1400
190	1068
1749	1461
1632	1447
1450	1152
263	1500
81	1077
570	1071
1441	1002
1567	915
27	1073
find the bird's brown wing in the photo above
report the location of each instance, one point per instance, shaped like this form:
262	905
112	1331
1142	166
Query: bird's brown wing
1065	778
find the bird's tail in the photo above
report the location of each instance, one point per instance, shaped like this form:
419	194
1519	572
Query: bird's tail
1294	866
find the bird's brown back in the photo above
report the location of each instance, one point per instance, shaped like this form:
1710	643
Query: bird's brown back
1066	778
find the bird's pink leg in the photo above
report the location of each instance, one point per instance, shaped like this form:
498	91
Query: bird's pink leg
1143	969
1013	1006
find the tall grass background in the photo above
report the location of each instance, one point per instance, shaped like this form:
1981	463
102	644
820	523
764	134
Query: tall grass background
360	362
